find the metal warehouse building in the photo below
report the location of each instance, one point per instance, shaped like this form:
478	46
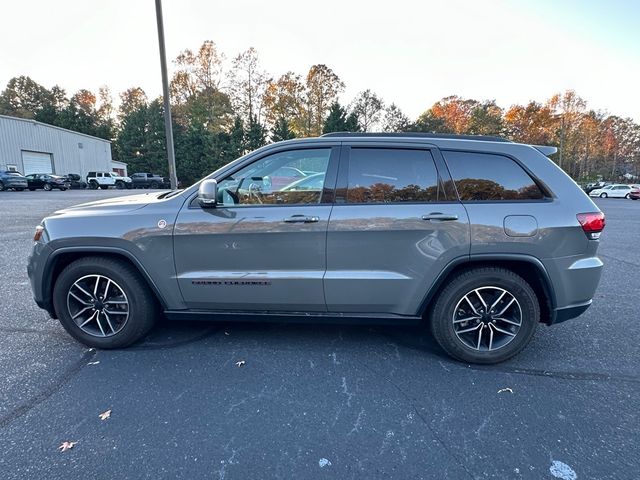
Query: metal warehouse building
28	147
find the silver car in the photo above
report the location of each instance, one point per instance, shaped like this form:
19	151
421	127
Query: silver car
480	238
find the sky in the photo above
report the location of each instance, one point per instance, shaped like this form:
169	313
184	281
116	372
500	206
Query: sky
411	53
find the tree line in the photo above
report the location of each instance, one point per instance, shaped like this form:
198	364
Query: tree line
220	114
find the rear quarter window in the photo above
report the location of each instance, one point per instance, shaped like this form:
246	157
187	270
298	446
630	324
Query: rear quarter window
490	177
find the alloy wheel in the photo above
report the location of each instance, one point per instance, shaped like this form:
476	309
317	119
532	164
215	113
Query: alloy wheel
487	318
98	305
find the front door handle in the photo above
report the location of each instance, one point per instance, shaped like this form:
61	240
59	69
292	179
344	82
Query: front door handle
302	219
439	217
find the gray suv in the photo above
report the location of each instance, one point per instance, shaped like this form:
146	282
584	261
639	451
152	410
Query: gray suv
480	238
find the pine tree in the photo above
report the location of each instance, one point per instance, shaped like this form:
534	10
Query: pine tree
281	130
236	139
352	124
256	134
336	120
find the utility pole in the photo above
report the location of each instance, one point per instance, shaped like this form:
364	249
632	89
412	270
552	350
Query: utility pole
165	96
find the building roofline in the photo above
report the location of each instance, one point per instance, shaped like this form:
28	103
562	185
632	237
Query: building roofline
35	122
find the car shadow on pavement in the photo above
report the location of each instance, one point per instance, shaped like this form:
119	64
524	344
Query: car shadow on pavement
172	334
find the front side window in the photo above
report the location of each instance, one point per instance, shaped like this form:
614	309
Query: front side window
294	177
386	175
490	177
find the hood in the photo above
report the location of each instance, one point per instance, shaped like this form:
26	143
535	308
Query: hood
112	205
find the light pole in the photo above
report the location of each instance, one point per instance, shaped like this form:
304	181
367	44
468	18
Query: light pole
165	96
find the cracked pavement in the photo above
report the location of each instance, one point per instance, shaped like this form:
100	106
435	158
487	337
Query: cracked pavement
315	401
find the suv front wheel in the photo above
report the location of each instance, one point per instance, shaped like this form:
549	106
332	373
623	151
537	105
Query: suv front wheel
485	315
104	303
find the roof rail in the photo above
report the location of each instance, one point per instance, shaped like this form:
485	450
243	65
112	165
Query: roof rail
484	138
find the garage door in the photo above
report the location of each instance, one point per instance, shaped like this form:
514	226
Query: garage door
35	162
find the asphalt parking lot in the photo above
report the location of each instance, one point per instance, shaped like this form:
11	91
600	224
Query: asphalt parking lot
317	401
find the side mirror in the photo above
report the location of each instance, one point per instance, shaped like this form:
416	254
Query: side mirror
208	194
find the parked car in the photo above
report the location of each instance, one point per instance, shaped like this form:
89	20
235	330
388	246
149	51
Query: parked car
75	181
47	181
105	180
634	194
613	191
149	180
12	181
479	237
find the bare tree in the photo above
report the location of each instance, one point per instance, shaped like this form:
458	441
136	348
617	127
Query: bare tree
323	87
368	107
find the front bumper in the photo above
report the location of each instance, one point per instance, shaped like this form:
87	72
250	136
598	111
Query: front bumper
36	265
560	315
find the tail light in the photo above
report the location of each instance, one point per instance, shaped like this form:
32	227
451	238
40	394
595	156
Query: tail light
592	224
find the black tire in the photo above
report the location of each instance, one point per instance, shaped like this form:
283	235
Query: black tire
104	187
46	187
19	189
442	314
154	185
62	189
603	195
627	196
93	185
1	186
143	307
120	185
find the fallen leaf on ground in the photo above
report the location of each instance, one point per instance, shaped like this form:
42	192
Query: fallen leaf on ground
105	415
66	446
505	390
240	363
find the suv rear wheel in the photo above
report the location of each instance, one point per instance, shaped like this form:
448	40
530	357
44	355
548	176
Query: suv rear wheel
93	185
485	315
104	303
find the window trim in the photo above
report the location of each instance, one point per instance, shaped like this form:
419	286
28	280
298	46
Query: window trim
547	194
342	185
328	190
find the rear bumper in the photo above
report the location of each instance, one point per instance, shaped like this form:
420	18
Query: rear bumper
575	280
15	184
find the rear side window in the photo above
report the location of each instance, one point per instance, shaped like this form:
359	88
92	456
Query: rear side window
385	175
486	176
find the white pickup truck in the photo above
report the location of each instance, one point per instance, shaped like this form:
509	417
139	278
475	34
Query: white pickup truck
105	180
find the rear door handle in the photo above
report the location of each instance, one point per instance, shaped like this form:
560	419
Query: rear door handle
440	217
302	219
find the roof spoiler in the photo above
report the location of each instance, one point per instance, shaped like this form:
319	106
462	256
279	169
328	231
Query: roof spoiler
546	149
